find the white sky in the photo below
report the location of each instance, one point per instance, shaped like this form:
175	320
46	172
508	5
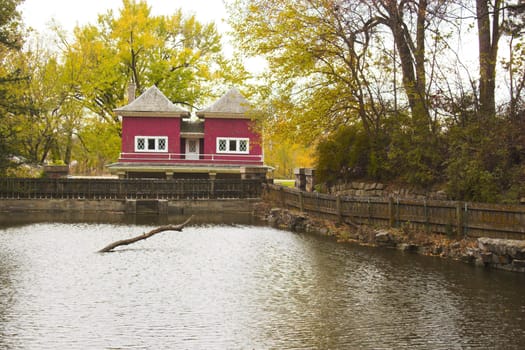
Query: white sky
38	13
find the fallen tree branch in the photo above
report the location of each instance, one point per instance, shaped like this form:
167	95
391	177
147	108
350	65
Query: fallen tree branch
145	235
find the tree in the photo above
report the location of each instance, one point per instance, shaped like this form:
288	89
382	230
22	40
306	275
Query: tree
177	53
514	28
344	156
10	43
285	156
488	17
331	64
44	127
319	64
90	153
10	35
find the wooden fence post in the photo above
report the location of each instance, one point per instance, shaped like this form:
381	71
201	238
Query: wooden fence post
465	220
426	216
391	213
459	218
338	208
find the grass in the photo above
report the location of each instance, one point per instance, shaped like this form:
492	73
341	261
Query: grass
284	182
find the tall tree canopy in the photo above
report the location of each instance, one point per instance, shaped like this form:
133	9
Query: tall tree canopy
391	69
10	35
335	62
179	54
10	75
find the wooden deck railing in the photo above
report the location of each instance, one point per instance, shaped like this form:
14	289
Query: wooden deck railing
22	188
450	217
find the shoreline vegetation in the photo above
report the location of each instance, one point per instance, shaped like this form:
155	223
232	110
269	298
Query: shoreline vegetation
504	254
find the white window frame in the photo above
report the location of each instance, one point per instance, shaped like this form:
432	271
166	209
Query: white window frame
237	145
156	139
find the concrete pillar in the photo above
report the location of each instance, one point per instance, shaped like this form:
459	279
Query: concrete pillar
169	175
309	174
300	179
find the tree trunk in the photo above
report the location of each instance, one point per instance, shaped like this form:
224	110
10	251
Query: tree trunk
488	50
412	60
145	235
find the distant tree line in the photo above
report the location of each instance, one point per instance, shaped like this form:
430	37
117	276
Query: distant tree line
422	92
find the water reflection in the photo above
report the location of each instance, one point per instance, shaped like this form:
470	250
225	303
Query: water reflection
7	292
235	286
23	218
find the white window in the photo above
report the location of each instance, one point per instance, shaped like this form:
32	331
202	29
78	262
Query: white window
151	144
233	145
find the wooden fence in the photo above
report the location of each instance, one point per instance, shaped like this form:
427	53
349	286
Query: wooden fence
18	188
449	217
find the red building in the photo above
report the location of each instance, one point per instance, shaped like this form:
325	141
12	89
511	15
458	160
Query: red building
162	140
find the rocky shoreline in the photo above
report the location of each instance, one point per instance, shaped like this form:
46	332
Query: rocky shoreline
485	252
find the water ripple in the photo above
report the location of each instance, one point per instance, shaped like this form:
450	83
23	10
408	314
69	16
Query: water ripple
218	287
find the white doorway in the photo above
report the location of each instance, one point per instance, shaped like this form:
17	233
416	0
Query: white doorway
192	149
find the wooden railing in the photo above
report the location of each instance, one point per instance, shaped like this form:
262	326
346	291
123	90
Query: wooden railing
449	217
213	158
22	188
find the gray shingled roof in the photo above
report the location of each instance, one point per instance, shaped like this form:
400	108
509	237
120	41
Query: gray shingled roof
232	102
152	100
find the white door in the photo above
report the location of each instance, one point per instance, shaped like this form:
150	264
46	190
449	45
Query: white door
192	149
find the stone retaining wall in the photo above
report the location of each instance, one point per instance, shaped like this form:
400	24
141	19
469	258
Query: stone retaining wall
487	252
376	189
127	206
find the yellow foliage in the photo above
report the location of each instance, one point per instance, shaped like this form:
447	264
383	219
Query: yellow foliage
285	155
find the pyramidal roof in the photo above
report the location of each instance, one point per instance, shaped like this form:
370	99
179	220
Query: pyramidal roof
231	103
152	101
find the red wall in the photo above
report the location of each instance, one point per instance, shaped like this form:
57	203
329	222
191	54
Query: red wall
170	127
214	128
150	126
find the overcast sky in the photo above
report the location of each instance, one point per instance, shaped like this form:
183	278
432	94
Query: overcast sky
69	13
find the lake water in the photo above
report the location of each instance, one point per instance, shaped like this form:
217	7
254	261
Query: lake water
224	286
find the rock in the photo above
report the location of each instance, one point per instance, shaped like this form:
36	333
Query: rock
479	262
437	250
468	258
297	222
440	195
501	259
368	186
376	193
384	238
408	247
518	263
515	249
486	257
